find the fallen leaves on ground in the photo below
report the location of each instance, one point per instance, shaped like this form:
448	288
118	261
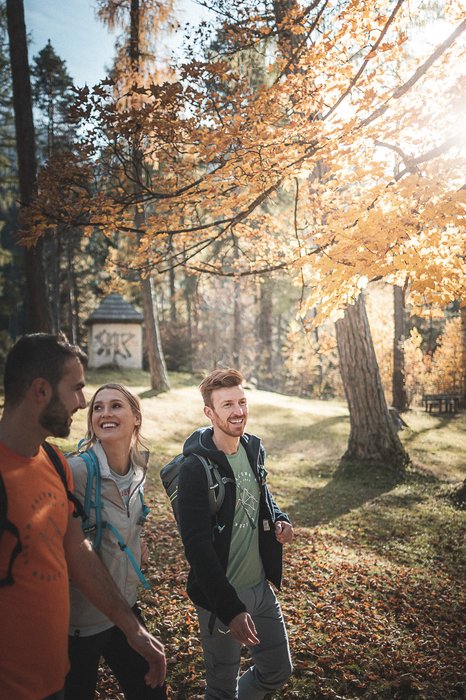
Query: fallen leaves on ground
360	626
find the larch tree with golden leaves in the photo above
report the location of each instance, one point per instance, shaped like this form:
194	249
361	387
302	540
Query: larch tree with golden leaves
133	68
357	126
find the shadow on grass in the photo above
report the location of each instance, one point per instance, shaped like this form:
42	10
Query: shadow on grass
342	494
325	430
442	421
148	394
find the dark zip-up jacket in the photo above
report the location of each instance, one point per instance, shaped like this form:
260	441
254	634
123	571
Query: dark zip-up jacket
207	538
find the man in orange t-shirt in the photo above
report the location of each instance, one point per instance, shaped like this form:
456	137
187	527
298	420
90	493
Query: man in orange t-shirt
32	653
44	383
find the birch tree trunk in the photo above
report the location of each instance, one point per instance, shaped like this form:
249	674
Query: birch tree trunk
373	439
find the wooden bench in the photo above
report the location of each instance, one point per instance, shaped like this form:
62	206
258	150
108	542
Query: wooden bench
441	403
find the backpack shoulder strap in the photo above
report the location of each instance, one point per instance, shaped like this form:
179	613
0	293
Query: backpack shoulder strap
3	506
7	525
211	470
213	499
93	495
93	486
59	468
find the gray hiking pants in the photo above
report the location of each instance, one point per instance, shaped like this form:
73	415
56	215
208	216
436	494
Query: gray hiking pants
272	662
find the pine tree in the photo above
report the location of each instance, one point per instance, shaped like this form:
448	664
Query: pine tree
53	97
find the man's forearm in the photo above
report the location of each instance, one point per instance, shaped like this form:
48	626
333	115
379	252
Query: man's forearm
95	582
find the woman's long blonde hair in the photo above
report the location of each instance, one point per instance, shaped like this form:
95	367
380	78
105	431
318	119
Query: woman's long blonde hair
137	441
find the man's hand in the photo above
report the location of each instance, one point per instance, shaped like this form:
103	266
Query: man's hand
152	650
283	532
242	629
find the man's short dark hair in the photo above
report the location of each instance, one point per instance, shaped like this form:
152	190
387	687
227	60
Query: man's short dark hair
37	355
219	379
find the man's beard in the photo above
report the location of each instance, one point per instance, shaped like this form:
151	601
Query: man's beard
55	418
228	429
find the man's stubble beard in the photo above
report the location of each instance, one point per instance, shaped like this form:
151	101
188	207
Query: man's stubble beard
55	418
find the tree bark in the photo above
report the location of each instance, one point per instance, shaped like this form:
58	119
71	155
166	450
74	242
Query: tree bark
265	344
373	439
157	366
189	289
463	353
39	314
73	303
153	341
237	325
172	286
399	396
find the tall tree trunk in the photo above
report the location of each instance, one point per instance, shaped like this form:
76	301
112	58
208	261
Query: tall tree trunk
288	40
399	397
237	340
73	305
38	304
189	288
237	325
373	439
153	341
265	342
172	284
320	368
157	366
52	254
463	354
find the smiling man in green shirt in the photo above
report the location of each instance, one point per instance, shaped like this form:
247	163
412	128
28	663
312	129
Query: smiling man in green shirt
235	553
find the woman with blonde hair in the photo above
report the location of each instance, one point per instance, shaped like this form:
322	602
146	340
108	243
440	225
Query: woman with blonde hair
109	471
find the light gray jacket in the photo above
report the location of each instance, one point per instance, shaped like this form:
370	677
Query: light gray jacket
85	619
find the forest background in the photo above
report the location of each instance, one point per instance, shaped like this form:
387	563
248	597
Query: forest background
287	198
251	197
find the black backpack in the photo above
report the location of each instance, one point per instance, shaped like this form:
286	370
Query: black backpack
7	525
170	474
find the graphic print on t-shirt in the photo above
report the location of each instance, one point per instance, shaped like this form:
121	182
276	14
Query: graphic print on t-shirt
248	502
44	531
244	563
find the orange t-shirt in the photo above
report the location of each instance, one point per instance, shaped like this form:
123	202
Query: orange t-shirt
34	611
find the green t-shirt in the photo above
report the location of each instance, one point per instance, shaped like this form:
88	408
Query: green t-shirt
244	563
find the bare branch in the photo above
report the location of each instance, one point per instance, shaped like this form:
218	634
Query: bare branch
417	75
364	64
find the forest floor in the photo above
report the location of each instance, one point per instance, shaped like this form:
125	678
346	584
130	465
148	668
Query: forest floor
374	588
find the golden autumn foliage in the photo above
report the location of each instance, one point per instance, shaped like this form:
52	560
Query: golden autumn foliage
343	162
439	371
